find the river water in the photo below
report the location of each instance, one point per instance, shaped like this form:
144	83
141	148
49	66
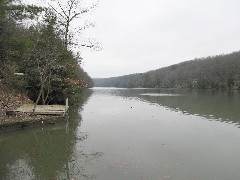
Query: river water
132	134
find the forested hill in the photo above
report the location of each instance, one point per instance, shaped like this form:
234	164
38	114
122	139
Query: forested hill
222	71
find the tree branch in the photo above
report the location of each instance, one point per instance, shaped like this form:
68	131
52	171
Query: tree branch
57	12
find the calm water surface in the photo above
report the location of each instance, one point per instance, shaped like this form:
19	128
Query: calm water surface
132	134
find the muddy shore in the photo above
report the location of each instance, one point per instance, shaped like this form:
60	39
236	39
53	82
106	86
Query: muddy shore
10	100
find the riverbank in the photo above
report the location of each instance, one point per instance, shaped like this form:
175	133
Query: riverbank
10	100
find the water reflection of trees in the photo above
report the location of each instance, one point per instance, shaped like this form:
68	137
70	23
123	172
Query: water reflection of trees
48	153
221	105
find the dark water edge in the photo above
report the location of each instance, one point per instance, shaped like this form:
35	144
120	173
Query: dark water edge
33	123
132	134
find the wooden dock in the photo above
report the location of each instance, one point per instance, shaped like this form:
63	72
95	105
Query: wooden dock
44	109
24	116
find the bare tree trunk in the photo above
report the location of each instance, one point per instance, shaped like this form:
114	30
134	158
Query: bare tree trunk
43	98
66	34
46	97
39	94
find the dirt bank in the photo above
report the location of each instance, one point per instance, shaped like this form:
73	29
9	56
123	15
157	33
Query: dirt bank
11	99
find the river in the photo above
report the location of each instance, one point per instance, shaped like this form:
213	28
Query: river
132	134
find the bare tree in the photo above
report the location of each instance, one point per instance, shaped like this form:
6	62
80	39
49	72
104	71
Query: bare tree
42	60
68	11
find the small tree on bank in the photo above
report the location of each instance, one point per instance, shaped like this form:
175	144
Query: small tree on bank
42	59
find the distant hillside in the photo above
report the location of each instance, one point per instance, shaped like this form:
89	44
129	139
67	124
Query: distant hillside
222	71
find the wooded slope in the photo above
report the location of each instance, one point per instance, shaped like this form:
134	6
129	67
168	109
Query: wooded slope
35	59
222	71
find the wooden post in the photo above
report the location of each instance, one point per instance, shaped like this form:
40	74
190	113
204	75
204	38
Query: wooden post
66	107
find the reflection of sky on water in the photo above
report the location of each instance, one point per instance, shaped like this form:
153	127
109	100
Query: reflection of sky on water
217	105
156	137
159	94
180	111
122	134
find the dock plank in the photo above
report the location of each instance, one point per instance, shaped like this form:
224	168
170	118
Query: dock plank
43	109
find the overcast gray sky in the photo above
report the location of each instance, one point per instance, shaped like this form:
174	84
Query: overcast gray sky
142	35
